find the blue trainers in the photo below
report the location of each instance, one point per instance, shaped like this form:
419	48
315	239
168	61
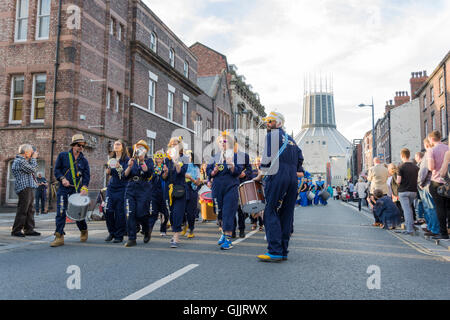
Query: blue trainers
221	240
226	245
270	257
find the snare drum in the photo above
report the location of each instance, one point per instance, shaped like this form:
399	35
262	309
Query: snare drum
78	207
251	197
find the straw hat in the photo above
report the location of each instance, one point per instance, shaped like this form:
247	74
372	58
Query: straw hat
77	139
143	144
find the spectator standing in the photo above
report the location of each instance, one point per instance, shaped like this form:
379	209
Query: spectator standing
393	187
41	194
407	189
378	176
24	170
361	188
423	186
435	162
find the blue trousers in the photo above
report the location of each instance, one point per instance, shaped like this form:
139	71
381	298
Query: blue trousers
279	223
62	201
177	211
429	211
137	205
116	219
191	208
158	206
227	199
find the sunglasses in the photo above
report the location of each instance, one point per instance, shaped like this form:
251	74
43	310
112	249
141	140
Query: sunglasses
80	145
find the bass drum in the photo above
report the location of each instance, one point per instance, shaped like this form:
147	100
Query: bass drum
310	195
78	207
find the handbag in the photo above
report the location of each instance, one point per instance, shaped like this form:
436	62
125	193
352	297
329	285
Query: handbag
178	191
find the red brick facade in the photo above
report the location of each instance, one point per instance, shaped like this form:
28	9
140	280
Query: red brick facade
105	58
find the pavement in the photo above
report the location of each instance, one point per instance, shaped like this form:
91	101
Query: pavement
334	251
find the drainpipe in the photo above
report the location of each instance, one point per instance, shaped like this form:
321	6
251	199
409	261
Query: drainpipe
55	80
446	98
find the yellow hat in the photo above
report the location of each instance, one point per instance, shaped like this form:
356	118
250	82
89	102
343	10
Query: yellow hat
142	143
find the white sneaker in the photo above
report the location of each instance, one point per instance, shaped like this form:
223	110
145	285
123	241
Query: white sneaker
163	234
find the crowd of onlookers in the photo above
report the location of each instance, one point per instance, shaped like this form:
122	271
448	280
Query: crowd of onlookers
414	192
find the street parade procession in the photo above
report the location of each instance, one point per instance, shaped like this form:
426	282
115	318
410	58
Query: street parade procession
169	186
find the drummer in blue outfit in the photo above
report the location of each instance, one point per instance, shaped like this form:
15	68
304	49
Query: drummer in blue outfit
138	192
116	219
174	173
159	202
281	164
224	170
73	173
320	185
304	190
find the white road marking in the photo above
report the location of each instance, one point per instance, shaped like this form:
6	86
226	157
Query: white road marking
248	235
158	284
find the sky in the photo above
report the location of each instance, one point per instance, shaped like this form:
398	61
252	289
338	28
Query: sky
370	47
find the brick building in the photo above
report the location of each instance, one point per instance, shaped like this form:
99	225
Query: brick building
122	73
235	105
434	100
367	152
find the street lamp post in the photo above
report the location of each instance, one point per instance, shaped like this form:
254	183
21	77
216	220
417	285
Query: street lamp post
373	125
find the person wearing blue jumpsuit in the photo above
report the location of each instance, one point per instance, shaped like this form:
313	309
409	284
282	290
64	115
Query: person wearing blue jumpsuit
246	175
224	170
174	173
192	187
72	179
282	164
138	193
159	202
115	216
320	185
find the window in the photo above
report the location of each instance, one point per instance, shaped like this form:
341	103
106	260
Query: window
425	126
38	99
108	99
441	85
198	126
208	130
118	99
16	104
185	107
153	42
151	95
111	26
425	102
172	58
432	94
151	147
433	122
21	20
170	106
443	123
43	19
119	32
186	69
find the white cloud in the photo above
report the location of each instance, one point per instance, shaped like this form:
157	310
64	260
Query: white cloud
371	47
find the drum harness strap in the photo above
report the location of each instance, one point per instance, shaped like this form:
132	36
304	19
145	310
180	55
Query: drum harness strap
283	147
72	170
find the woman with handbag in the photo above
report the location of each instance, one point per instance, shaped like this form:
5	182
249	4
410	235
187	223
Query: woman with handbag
138	192
174	173
225	171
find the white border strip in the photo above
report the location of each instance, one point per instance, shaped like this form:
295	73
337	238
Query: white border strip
158	284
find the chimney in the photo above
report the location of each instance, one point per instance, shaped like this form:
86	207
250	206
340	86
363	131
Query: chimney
401	97
417	80
388	107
